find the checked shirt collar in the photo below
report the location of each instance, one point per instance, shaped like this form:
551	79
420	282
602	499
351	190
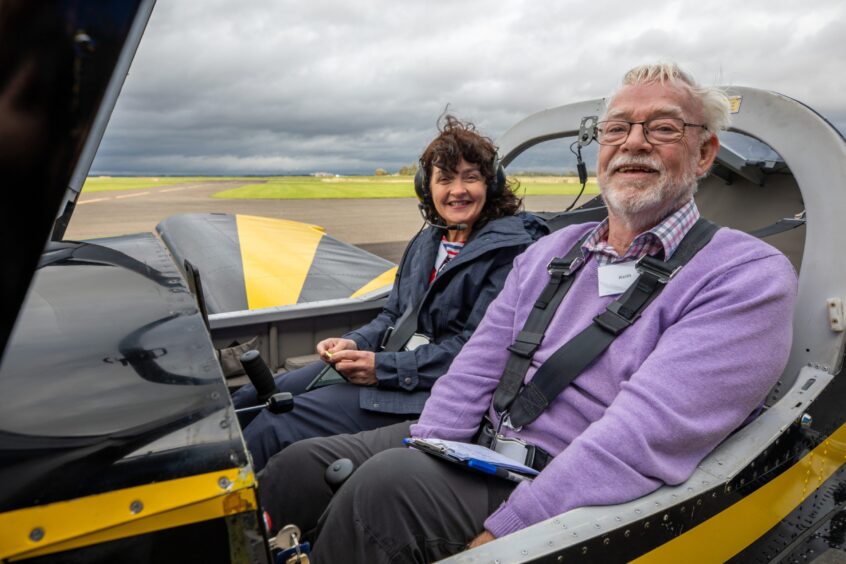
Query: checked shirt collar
665	237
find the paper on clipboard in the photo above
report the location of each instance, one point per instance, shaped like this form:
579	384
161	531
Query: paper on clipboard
464	452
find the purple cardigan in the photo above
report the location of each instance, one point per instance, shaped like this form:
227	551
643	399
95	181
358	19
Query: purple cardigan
701	358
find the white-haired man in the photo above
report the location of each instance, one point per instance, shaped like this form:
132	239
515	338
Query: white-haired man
653	384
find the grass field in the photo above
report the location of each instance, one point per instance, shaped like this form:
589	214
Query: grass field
110	183
309	187
306	187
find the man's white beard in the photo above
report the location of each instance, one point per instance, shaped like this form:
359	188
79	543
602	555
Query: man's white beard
645	203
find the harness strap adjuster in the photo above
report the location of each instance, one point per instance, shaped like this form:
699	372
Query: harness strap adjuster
612	322
657	268
529	338
559	267
526	343
559	272
524	350
385	338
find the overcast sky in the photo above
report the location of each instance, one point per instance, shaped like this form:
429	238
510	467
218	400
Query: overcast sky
282	87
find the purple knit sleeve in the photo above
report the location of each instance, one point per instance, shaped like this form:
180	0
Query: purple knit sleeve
708	371
461	397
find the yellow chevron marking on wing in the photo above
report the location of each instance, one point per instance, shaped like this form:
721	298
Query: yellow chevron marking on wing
276	255
383	279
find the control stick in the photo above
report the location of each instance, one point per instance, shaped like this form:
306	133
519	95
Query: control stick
281	402
259	375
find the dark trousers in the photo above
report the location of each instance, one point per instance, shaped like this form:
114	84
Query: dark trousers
400	505
323	412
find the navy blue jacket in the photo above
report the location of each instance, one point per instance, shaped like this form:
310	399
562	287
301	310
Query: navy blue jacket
453	306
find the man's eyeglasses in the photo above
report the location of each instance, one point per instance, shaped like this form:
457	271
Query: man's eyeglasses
658	131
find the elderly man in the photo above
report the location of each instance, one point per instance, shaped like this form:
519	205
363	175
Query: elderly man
658	392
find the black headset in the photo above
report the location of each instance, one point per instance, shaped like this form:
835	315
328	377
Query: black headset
495	187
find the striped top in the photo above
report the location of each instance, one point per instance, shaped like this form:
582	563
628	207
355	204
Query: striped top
446	252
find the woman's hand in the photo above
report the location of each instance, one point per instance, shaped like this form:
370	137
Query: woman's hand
328	347
359	367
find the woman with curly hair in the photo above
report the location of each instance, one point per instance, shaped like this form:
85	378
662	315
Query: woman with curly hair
450	271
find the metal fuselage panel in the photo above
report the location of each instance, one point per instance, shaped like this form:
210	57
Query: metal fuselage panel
111	374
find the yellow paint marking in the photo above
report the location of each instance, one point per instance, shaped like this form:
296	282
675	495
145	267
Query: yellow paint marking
175	189
92	201
734	104
383	279
121	513
733	529
131	195
276	255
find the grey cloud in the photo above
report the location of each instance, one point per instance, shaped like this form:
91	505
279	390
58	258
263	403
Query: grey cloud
272	86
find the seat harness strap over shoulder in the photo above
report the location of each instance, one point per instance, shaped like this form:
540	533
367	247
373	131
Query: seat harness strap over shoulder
397	336
519	404
530	337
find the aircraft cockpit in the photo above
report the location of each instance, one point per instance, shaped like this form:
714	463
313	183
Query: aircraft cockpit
118	440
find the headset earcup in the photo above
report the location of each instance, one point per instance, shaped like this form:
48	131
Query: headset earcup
498	187
421	183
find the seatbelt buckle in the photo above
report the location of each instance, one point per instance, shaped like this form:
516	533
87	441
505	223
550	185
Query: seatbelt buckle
416	340
657	268
505	421
486	433
516	449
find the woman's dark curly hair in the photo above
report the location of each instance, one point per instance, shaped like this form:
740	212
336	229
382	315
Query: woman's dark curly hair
459	139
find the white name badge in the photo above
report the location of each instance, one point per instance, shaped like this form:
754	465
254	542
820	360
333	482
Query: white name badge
616	278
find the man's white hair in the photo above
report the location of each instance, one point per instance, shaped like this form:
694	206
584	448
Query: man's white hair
715	103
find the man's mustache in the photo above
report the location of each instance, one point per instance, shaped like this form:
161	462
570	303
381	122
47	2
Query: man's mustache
635	160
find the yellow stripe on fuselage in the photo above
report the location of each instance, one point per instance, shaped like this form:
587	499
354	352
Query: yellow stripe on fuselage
60	526
733	529
383	279
276	255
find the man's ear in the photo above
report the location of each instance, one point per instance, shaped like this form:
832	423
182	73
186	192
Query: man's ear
707	153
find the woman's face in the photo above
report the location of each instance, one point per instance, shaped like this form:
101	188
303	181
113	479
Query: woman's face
459	195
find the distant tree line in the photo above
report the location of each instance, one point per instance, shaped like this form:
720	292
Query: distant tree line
408	170
544	173
405	170
411	170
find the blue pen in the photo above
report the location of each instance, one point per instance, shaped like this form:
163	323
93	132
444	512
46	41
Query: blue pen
495	470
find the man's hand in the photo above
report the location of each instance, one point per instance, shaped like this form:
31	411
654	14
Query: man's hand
328	347
359	367
481	539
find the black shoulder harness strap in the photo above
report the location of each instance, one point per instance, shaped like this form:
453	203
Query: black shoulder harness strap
519	405
398	335
530	337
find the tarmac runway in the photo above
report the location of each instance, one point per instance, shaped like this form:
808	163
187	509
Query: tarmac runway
381	226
